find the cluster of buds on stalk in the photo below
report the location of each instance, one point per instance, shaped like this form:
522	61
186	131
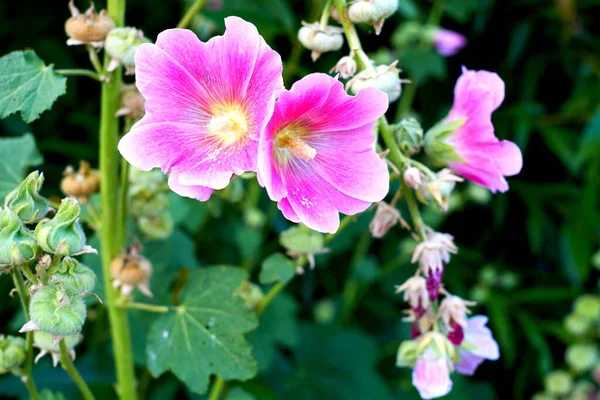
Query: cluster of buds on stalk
149	205
43	250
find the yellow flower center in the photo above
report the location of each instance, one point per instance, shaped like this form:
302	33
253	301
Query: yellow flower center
228	124
289	142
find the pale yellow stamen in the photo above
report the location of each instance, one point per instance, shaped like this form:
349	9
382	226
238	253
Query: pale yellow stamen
228	124
291	141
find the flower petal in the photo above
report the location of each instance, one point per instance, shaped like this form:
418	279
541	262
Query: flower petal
287	210
488	81
482	170
506	156
195	192
468	363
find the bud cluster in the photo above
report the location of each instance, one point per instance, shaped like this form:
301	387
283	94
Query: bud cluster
60	282
372	12
149	204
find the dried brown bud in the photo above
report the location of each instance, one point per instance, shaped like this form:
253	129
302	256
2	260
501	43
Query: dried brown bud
131	270
132	103
81	184
88	28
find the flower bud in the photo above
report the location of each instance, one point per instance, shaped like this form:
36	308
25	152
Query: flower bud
447	42
415	294
26	201
407	353
588	307
372	12
385	78
12	353
453	309
71	274
89	27
251	293
439	189
577	325
582	357
122	44
56	310
131	271
346	67
48	345
320	39
385	218
412	177
438	150
301	241
156	228
81	184
17	244
132	103
63	235
558	383
152	206
409	135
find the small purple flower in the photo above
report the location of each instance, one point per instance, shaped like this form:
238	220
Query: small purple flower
448	43
431	375
481	345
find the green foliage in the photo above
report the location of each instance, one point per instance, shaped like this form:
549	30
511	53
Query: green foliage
276	268
28	85
16	156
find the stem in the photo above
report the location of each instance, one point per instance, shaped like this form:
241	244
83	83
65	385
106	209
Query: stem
24	297
109	234
146	307
326	13
347	220
28	274
95	61
67	364
269	297
190	14
406	101
352	37
95	219
217	388
437	10
79	72
122	211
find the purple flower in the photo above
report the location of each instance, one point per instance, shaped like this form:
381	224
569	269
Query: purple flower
480	345
316	157
431	375
206	106
448	43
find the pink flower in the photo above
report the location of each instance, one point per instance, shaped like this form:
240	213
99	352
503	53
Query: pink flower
481	345
431	375
206	106
485	159
316	157
448	43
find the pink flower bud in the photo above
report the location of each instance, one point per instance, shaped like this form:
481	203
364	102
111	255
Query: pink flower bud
431	375
385	218
346	67
412	178
448	42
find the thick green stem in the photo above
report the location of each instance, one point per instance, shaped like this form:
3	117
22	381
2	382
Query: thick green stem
67	364
24	297
110	231
79	72
406	101
190	14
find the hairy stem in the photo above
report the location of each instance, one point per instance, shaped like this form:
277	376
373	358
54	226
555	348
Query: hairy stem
190	14
79	72
110	231
67	364
24	297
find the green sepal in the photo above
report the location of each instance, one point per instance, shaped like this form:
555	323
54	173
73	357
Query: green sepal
407	353
62	235
26	201
71	274
17	243
439	151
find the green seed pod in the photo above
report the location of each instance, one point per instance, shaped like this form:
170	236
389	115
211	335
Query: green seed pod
62	235
47	345
58	311
558	383
122	44
73	275
588	307
156	228
149	207
146	183
301	240
12	353
17	244
26	201
582	357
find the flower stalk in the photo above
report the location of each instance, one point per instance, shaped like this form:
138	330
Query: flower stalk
67	364
190	14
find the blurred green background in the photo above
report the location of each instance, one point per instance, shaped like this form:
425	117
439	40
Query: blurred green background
525	256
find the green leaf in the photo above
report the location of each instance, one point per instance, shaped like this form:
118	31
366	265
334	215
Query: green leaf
276	268
203	335
335	364
502	328
28	85
277	327
237	393
422	64
17	154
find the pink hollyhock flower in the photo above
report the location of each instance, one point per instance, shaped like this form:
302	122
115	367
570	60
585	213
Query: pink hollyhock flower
431	375
480	345
448	43
466	140
206	106
316	157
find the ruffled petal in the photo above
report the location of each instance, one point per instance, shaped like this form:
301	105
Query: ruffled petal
195	192
288	211
485	80
468	363
482	170
506	155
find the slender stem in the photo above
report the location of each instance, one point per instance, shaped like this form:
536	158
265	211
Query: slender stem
326	13
437	10
95	61
146	307
344	223
79	72
352	37
109	234
190	14
28	274
269	297
217	388
406	101
67	364
24	297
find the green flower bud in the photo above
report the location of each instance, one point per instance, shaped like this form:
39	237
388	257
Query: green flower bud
582	356
122	44
588	307
558	383
301	240
146	183
17	244
409	135
436	147
488	275
73	275
149	207
57	310
63	235
48	345
576	324
156	228
26	201
251	293
12	353
407	353
324	311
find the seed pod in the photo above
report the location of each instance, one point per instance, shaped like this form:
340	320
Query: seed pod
132	103
384	78
320	39
73	275
56	310
26	201
130	271
372	12
17	243
81	184
156	228
88	28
